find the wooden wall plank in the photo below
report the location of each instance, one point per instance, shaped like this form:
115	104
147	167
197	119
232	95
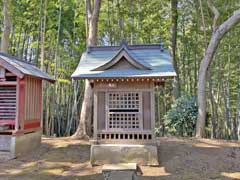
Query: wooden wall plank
146	111
101	110
21	105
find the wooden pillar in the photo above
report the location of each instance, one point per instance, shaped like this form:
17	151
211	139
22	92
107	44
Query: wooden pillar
95	110
152	110
21	102
17	106
41	103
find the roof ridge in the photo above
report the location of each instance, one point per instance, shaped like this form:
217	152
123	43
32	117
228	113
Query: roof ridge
130	47
17	58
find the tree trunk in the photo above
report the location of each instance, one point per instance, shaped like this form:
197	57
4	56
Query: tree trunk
176	88
131	21
238	104
213	118
138	21
43	29
84	129
217	35
92	16
6	26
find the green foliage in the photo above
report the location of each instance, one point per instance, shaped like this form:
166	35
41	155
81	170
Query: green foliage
181	118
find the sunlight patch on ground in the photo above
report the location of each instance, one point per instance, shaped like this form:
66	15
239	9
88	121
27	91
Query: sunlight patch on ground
205	145
68	169
234	175
53	171
154	171
11	172
217	143
63	142
30	164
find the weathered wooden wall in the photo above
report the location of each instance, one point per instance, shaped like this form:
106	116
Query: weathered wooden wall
145	131
33	102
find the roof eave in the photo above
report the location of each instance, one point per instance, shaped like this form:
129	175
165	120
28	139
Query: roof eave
11	68
50	79
5	64
120	77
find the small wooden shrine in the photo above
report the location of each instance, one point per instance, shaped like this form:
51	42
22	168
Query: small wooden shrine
123	80
20	104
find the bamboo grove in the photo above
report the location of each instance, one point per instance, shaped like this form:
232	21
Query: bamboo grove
52	34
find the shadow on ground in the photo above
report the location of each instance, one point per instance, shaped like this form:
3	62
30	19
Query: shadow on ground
68	159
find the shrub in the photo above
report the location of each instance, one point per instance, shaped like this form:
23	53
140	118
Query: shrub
181	118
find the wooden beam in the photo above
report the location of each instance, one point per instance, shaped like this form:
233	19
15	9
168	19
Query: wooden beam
8	83
32	124
21	132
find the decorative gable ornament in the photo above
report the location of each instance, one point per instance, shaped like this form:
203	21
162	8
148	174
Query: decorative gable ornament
122	55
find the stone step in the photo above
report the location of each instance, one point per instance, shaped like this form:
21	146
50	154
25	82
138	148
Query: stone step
120	167
120	171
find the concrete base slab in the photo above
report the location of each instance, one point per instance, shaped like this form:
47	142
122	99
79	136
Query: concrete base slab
20	144
122	153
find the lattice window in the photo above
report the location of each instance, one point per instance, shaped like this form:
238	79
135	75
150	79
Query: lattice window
7	102
124	121
123	100
124	110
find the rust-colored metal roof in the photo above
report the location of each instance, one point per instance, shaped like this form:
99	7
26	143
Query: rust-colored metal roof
21	68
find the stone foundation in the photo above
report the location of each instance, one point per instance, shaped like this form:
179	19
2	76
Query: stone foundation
122	153
20	144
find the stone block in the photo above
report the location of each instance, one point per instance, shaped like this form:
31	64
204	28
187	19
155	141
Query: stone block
19	144
123	153
5	142
26	143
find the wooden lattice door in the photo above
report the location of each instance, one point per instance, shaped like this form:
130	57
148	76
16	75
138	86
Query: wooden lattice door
124	111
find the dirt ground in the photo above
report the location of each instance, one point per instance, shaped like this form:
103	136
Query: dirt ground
180	159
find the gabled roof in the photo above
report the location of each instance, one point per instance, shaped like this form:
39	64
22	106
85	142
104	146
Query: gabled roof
123	52
149	61
21	68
